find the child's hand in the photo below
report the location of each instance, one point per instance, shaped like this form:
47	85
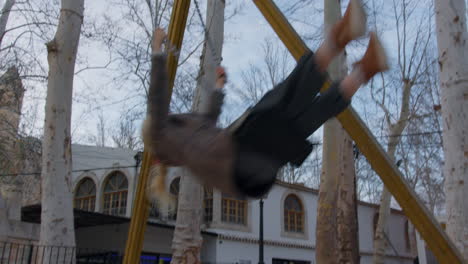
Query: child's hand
221	77
159	36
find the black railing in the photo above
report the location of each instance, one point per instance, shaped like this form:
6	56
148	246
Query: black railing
30	253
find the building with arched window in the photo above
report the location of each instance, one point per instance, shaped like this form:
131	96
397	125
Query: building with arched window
115	194
113	172
234	210
293	214
85	195
104	184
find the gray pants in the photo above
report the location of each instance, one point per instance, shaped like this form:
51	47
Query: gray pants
280	123
302	104
278	126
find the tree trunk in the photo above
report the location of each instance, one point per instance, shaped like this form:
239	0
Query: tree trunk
380	240
348	235
326	230
4	18
57	205
452	40
187	241
395	130
336	231
4	221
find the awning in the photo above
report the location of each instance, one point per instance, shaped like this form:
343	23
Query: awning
32	214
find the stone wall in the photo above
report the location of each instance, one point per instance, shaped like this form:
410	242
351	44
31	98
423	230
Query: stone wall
11	100
19	156
11	227
11	97
31	160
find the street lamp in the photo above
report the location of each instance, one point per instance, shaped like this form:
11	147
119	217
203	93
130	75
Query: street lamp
260	243
260	239
138	158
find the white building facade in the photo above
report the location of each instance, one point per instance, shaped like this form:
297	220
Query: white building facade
105	179
231	225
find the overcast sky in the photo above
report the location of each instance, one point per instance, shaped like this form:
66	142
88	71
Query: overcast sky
244	34
95	93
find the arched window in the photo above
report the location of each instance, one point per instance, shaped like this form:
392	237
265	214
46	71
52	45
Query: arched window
85	195
234	210
208	204
115	194
174	188
293	214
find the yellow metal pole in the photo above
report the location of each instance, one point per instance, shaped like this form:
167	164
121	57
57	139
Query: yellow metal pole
414	209
140	210
176	36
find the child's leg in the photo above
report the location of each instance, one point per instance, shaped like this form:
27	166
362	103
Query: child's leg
350	27
285	105
373	62
313	74
338	96
291	96
323	107
285	89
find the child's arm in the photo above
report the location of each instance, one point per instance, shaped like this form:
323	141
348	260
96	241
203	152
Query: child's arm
158	96
215	103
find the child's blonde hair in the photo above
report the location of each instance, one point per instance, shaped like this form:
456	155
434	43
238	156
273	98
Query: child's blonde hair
157	190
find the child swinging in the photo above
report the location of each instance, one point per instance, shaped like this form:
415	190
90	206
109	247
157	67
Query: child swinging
245	161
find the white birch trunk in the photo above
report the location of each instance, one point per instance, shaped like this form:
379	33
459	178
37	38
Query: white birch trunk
4	222
326	229
4	18
187	241
395	130
452	40
336	231
57	205
380	243
347	218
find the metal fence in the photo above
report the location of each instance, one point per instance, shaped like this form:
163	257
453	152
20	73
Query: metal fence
30	253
